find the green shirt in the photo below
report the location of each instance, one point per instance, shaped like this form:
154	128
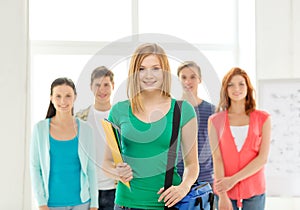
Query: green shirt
144	146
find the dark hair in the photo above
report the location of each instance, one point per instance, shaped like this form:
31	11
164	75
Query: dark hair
102	71
225	101
59	81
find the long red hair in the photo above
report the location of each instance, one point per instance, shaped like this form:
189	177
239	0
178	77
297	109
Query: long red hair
225	101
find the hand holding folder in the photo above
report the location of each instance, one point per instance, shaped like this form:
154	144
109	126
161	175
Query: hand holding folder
112	135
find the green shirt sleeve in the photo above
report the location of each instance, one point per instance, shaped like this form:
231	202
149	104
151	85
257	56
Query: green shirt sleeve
187	112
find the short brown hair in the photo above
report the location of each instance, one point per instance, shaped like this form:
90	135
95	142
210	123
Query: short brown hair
189	64
102	71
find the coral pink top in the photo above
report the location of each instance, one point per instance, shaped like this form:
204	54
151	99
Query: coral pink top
234	161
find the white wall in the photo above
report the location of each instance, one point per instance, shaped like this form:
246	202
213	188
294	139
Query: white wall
277	56
278	39
14	191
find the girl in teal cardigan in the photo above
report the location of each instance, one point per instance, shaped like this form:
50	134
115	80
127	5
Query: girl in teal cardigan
62	155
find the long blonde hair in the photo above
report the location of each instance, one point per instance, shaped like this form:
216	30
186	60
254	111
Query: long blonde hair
133	84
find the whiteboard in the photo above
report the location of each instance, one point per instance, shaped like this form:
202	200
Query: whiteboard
281	98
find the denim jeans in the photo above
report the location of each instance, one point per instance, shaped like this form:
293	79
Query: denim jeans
254	203
106	199
85	206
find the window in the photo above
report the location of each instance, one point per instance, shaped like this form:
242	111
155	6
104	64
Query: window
202	22
66	35
89	20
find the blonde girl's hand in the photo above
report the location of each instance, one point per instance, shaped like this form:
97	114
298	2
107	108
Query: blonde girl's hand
93	208
172	195
124	172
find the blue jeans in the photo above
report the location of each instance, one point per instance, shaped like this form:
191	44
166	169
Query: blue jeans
106	199
85	206
254	203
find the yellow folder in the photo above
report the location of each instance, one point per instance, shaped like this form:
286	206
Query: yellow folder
112	135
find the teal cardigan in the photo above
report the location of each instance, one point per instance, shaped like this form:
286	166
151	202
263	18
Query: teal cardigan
40	163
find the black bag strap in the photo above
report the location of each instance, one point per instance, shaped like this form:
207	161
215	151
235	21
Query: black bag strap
199	201
173	146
